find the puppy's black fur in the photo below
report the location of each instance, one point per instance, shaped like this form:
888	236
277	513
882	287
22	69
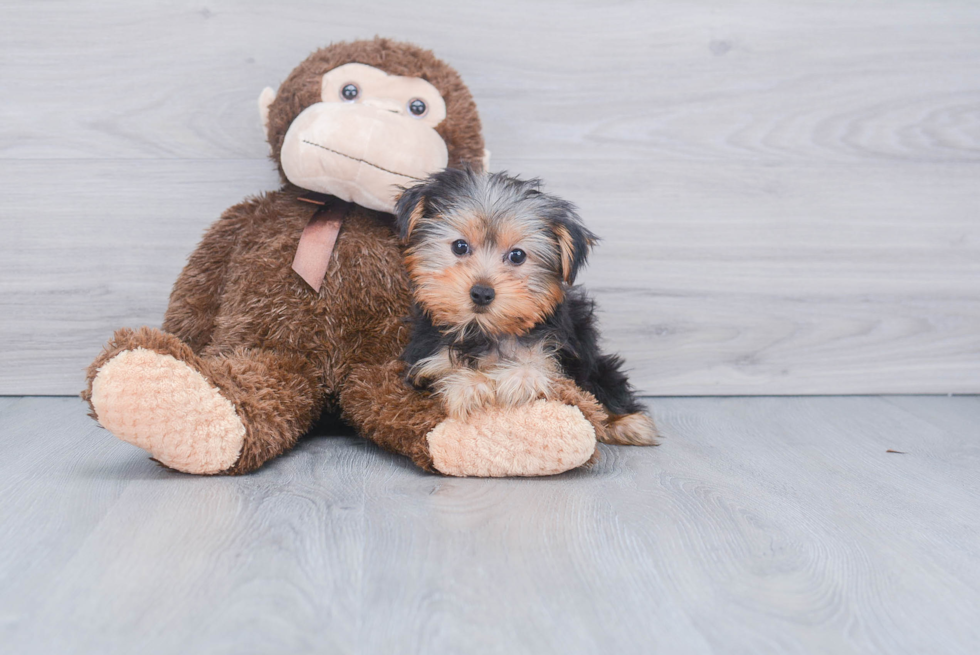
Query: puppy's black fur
572	326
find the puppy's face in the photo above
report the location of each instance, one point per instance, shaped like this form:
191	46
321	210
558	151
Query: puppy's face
488	251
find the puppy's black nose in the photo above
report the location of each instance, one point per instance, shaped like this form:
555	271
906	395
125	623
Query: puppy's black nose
481	294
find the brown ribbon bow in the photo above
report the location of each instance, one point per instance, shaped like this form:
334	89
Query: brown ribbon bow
317	242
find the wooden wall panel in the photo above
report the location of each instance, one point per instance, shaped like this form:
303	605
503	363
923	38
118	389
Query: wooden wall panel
789	194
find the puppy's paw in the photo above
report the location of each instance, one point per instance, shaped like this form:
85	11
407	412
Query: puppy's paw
520	385
630	430
466	392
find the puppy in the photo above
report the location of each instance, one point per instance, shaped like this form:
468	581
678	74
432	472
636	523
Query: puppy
496	319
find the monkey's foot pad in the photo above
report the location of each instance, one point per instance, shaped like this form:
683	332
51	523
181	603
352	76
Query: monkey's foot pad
168	409
541	438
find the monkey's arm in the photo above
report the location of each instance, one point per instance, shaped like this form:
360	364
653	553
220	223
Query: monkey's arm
541	438
196	296
377	400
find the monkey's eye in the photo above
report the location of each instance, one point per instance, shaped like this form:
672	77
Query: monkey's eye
516	256
349	92
417	107
460	247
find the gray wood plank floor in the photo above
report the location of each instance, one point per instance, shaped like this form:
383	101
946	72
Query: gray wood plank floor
762	525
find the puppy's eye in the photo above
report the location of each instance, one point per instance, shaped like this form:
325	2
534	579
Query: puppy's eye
460	247
516	256
417	107
349	92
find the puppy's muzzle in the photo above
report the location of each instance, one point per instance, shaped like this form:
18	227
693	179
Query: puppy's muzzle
482	295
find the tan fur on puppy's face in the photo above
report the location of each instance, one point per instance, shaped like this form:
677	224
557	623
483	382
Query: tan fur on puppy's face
524	294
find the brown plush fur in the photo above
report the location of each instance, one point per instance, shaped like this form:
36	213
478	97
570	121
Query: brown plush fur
282	353
386	408
274	394
276	350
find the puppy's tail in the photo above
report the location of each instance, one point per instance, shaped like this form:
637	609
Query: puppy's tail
636	429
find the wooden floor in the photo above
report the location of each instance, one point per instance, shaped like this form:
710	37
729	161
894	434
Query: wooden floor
762	525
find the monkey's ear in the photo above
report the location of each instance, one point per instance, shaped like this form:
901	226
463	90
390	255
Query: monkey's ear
265	99
575	241
409	210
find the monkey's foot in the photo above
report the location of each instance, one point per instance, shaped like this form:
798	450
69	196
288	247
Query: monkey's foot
540	438
168	409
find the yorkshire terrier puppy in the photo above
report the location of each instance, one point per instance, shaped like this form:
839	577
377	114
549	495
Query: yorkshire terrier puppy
496	319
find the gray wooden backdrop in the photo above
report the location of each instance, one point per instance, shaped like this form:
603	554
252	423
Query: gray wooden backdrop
789	193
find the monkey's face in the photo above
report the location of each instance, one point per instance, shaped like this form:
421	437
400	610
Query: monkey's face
489	252
370	134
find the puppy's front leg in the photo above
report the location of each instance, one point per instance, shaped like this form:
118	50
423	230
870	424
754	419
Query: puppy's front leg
524	373
519	383
465	391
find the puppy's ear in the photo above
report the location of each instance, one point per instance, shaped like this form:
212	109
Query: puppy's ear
575	241
409	210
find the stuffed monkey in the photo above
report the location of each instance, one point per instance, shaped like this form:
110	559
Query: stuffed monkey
294	302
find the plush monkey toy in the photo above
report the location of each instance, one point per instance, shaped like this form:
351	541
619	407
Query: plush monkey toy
294	303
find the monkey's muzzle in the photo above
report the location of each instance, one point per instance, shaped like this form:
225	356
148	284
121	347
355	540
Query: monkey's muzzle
360	153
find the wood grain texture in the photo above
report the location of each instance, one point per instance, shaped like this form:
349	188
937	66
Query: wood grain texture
787	191
762	525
